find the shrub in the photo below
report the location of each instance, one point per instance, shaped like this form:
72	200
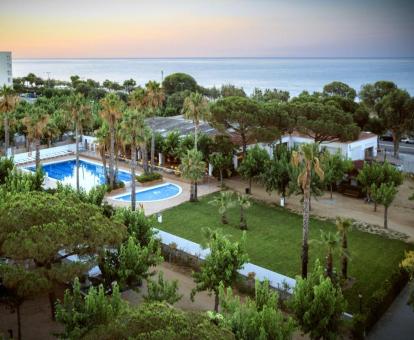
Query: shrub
6	165
148	177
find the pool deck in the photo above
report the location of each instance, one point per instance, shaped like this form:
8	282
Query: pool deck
150	208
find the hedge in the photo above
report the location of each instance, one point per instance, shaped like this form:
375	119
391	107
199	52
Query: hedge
148	177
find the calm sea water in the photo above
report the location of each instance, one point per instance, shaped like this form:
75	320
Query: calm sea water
291	74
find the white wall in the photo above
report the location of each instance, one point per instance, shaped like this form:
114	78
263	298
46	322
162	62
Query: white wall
6	75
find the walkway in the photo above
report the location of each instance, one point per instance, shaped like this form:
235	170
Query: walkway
397	322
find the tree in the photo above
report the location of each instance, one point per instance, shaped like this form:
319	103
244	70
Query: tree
343	226
195	108
193	167
220	162
178	82
239	114
386	194
258	318
154	98
35	122
330	242
340	89
244	203
172	144
396	109
335	167
79	314
374	174
372	94
162	290
269	95
45	230
6	165
307	161
129	85
132	127
326	122
80	113
130	263
253	164
103	139
8	102
277	172
229	90
111	111
318	305
220	265
223	201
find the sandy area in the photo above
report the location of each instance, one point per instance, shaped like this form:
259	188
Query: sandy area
400	214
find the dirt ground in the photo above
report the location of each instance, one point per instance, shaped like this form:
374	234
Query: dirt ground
400	214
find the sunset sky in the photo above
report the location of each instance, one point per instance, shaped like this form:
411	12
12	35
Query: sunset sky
207	28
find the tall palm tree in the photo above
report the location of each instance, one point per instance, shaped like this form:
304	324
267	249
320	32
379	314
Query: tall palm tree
193	168
111	111
244	203
195	107
131	129
103	139
137	100
8	102
307	161
343	225
154	98
35	123
80	113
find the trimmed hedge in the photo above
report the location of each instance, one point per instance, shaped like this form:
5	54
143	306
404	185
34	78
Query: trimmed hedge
148	177
379	302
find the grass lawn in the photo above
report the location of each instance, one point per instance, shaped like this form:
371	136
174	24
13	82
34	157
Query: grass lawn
274	241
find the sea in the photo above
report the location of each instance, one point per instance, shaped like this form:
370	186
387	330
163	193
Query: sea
291	74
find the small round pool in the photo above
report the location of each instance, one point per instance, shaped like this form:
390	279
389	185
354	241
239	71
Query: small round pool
153	194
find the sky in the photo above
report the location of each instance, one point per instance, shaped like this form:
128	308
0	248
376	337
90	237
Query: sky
206	28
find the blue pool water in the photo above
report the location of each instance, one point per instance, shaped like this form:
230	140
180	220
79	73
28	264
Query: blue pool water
90	174
157	193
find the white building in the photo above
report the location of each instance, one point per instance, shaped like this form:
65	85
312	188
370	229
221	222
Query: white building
365	147
6	75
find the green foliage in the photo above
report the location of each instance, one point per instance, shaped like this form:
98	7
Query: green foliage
19	181
376	174
162	290
338	88
192	166
153	176
178	82
94	196
270	95
258	318
229	90
335	167
171	145
222	163
221	264
6	166
159	321
317	305
130	263
253	165
79	314
278	171
224	201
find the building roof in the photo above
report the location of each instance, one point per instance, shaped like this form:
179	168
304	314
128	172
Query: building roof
164	125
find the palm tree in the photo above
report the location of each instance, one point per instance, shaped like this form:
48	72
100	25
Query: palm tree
244	203
343	226
330	242
193	167
195	107
224	201
80	113
305	159
111	111
103	139
35	123
131	129
8	102
154	98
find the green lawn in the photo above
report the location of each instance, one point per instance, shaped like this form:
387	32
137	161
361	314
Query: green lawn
274	242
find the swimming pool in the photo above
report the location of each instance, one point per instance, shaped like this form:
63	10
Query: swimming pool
157	193
90	174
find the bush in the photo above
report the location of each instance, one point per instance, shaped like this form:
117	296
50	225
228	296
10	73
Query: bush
6	165
148	177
